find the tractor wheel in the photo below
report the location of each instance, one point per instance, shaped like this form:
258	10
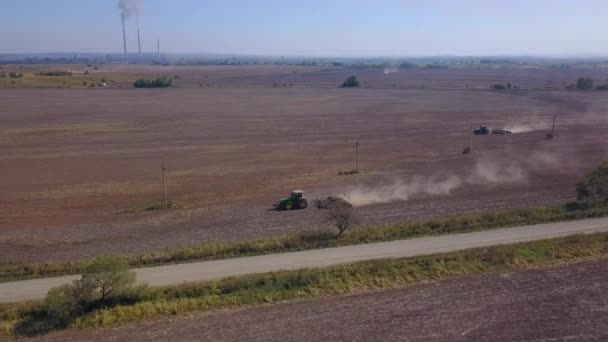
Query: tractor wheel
303	203
288	205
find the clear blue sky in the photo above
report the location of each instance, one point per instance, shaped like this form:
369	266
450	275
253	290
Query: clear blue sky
313	27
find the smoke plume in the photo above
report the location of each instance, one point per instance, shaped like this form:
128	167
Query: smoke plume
129	8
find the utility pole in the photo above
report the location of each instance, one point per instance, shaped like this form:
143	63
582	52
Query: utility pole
553	129
357	156
166	198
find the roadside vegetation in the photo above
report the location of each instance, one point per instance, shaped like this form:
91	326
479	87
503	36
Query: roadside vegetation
326	239
341	217
69	307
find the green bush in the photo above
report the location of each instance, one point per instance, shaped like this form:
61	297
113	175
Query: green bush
62	304
105	282
351	172
54	73
351	82
160	82
602	87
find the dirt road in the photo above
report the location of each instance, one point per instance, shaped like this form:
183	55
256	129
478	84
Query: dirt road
202	271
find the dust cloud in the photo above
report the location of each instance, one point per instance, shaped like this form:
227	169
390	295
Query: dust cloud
487	170
391	69
398	190
528	127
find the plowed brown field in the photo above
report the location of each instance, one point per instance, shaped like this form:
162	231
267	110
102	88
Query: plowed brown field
76	165
561	304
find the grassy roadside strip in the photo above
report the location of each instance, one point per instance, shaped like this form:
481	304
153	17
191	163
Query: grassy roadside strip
24	319
324	239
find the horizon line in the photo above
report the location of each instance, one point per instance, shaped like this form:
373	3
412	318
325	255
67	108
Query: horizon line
271	55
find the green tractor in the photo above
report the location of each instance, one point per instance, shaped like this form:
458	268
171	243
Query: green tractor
483	130
295	200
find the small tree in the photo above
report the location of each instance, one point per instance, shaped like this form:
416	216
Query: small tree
595	185
102	280
602	87
584	83
341	217
351	82
160	82
106	277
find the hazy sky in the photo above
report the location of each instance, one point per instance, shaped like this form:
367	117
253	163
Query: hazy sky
313	27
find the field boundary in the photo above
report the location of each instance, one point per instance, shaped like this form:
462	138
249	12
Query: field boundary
323	239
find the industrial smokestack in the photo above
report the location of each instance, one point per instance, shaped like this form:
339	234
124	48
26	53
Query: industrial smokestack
124	38
127	9
158	48
138	37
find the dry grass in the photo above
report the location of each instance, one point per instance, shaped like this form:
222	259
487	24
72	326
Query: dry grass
32	80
